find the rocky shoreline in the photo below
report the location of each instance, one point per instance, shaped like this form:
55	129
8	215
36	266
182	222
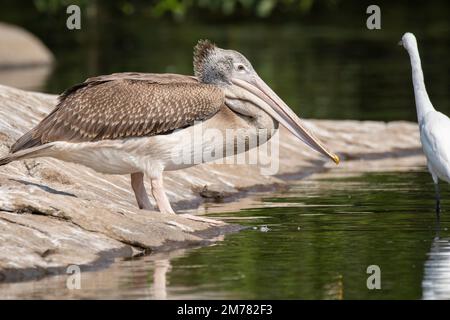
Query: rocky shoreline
54	214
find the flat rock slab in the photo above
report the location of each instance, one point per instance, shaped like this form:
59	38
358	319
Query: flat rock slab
54	214
21	49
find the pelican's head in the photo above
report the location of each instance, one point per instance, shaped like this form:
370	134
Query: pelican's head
408	41
234	73
219	66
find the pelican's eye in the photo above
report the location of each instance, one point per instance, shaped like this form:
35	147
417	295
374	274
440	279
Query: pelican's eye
240	67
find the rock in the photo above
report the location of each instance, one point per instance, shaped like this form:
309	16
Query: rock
20	48
215	192
25	62
54	214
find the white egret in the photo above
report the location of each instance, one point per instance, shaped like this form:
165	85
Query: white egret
434	126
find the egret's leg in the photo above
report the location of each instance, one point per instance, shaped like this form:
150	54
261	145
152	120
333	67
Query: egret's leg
438	198
137	183
160	196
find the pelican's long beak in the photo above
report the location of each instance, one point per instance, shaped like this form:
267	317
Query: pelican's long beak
279	110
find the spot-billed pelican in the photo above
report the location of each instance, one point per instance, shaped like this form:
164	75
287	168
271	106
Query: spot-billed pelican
131	123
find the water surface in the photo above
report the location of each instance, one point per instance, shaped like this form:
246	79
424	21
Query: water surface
314	241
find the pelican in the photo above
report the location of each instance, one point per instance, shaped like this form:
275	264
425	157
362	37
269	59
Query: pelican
131	123
434	126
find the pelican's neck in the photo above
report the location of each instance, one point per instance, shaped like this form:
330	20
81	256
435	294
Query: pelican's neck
423	103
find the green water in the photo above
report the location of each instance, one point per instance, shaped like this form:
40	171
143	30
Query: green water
324	65
314	241
322	243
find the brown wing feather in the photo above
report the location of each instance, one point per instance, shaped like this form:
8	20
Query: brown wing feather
125	105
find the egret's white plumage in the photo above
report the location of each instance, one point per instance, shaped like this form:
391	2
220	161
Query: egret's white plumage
434	135
434	126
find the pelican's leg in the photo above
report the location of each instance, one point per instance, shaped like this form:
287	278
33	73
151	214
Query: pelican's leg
137	183
160	196
160	278
164	206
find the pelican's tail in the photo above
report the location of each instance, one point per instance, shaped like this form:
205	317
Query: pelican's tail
7	159
39	151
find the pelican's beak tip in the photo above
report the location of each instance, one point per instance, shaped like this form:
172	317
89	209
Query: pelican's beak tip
336	159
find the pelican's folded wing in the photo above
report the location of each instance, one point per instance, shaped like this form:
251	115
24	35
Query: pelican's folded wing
125	105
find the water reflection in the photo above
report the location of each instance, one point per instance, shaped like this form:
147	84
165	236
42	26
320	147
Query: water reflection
27	78
436	279
334	290
160	278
